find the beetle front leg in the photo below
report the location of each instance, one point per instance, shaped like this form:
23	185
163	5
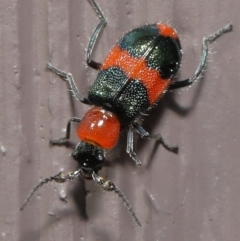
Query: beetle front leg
63	140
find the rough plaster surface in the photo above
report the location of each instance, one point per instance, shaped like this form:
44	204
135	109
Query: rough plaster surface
191	196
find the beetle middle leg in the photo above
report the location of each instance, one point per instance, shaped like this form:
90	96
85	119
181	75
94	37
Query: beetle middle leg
129	149
144	134
158	137
69	78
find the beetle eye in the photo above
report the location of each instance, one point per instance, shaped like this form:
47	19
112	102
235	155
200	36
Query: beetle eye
100	157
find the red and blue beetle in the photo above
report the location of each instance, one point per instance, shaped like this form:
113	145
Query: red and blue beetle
136	73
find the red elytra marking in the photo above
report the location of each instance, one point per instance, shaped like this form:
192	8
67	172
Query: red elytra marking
136	68
166	31
99	127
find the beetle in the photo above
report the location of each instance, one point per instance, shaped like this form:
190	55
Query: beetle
138	70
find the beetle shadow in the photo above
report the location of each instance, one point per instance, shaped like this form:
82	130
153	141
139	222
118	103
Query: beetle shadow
79	194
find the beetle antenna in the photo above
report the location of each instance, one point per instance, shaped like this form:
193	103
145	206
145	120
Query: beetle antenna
110	186
60	178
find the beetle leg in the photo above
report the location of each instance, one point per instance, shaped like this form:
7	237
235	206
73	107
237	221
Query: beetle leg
95	35
158	137
63	140
129	149
69	78
203	61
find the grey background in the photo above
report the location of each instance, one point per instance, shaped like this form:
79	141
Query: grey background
191	196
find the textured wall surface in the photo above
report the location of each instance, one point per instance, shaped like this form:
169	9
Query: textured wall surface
190	196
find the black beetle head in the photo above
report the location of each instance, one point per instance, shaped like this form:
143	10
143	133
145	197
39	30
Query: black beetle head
88	156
